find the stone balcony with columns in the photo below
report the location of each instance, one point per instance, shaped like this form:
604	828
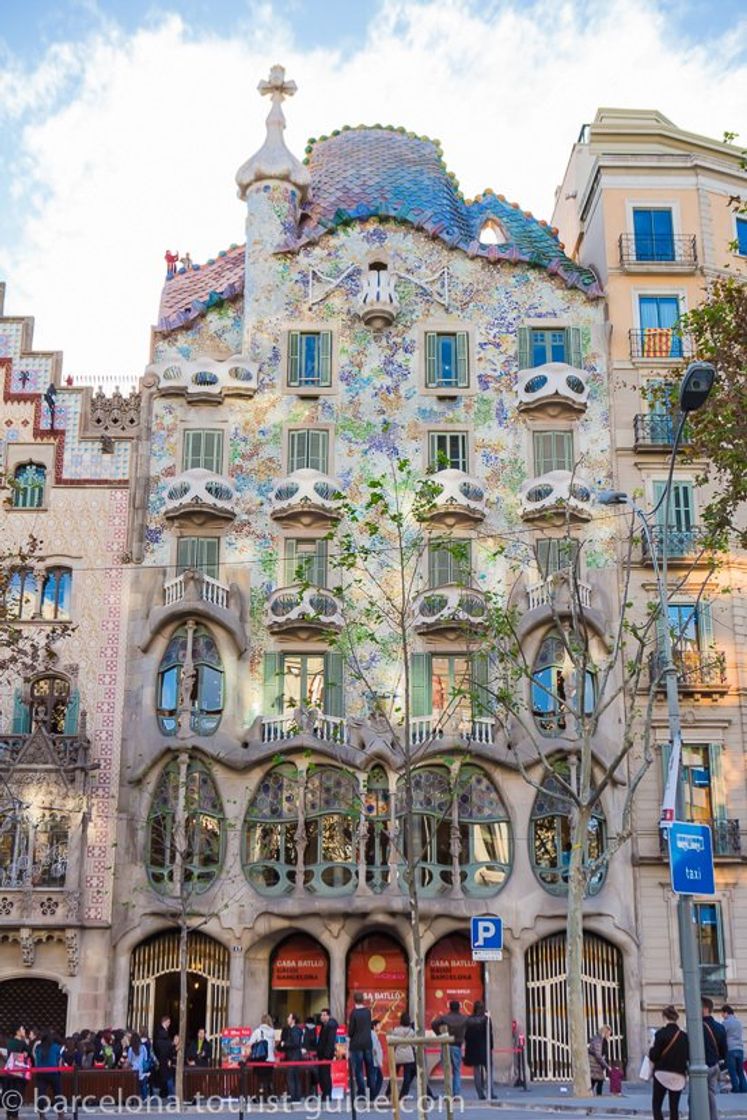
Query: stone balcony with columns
193	594
306	499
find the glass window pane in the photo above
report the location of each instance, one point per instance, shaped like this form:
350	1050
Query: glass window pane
742	236
310	359
447	366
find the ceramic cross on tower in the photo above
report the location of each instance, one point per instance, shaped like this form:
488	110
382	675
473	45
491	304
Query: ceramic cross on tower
277	86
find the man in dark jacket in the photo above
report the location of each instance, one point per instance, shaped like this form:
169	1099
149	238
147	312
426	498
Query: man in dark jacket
453	1023
162	1051
326	1045
200	1052
360	1044
714	1040
291	1044
476	1053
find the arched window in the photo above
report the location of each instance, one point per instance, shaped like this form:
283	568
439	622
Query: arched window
377	812
203	829
51	838
206	697
50	700
269	849
21	594
550	835
14	849
33	855
332	807
431	804
28	486
554	687
484	831
55	597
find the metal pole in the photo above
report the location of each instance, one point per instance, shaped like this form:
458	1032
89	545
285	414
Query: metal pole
488	1032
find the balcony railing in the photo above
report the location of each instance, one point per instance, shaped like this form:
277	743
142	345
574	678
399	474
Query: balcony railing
479	729
200	497
449	607
656	429
296	609
697	671
556	493
545	593
306	499
682	544
458	500
660	343
669	252
727	839
210	590
331	729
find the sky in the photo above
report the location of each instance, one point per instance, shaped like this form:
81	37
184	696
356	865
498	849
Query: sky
123	122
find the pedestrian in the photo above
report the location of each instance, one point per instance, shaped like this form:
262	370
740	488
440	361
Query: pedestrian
162	1052
137	1060
326	1049
360	1045
734	1049
377	1055
668	1055
291	1045
477	1052
310	1048
199	1052
48	1086
598	1064
262	1049
454	1024
404	1054
714	1040
17	1070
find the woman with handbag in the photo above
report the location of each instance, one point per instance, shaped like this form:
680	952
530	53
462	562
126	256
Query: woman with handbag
669	1056
17	1071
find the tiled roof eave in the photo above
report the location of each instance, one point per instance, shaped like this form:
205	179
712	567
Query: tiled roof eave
199	307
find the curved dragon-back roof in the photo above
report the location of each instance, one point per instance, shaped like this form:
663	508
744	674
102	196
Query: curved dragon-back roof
365	172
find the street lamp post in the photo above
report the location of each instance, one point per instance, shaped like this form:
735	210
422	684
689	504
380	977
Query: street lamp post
694	390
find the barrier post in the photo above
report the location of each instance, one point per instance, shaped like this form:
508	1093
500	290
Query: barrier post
353	1088
393	1083
242	1090
448	1080
75	1093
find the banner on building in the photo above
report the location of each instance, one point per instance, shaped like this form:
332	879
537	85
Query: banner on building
669	804
300	962
450	973
377	967
234	1046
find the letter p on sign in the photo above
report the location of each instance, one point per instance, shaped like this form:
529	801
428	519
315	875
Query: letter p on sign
487	933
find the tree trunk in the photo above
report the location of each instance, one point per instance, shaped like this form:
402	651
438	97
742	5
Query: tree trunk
182	893
183	1026
577	1029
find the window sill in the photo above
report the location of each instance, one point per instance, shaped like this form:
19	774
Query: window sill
448	392
28	509
310	391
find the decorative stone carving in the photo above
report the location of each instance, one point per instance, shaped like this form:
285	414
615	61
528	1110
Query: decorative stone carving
303	613
306	499
202	498
49	906
115	413
449	611
72	906
459	500
378	299
554	389
6	906
200	379
273	160
72	946
28	949
555	495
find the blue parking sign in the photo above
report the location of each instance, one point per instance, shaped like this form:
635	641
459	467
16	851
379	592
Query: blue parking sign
691	858
486	933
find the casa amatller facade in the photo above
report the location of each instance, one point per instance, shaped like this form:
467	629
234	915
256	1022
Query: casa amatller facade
372	313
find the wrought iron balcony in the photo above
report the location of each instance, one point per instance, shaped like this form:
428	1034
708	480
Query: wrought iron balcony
697	670
553	389
449	610
655	430
557	493
209	590
310	721
303	612
666	253
200	498
458	501
660	344
435	727
727	839
682	544
306	499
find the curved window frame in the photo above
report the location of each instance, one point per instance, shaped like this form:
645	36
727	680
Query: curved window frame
22	594
330	824
483	834
377	814
268	844
432	828
203	721
548	695
27	859
29	486
551	809
59	579
203	812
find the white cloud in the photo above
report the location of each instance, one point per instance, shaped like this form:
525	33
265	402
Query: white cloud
141	154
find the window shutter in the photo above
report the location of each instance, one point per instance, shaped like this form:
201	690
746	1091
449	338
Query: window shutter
208	452
325	358
542	452
207	556
21	715
480	684
683	506
272	702
718	792
294	357
420	685
439	565
317	454
522	344
71	713
705	627
320	564
334	701
565	450
462	352
297	450
573	343
431	367
191	450
291	562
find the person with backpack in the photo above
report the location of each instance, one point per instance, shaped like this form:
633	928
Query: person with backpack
262	1049
48	1085
138	1060
310	1052
291	1045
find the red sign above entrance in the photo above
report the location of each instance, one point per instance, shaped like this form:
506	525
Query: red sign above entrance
299	963
450	973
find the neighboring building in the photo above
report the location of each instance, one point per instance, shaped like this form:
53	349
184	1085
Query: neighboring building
60	730
646	205
368	291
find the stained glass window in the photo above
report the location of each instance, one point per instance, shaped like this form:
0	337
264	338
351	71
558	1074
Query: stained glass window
550	836
203	829
206	699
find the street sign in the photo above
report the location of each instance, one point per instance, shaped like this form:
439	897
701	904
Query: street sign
486	935
691	858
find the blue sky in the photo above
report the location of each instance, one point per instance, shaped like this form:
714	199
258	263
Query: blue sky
122	122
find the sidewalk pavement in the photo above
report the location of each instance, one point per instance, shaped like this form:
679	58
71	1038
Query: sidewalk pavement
557	1097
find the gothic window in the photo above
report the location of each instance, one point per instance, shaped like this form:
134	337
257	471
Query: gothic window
269	846
431	826
377	815
33	854
484	832
55	597
50	699
550	836
206	694
203	822
554	689
28	486
51	836
21	594
14	849
332	805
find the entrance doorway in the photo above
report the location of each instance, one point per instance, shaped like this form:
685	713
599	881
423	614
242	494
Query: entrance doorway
450	973
34	1002
299	979
377	967
154	985
548	1045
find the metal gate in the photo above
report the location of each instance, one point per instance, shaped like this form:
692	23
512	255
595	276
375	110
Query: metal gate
548	1046
34	1002
160	954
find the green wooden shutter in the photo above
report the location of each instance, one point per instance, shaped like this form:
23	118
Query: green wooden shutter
191	450
421	702
297	450
542	452
431	366
705	627
325	358
683	505
480	685
573	347
207	556
272	700
439	565
718	790
291	562
294	358
523	348
21	715
212	455
462	356
433	450
71	713
334	699
318	446
319	570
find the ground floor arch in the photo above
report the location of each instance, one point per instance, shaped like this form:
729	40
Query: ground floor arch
548	1045
377	966
299	978
154	984
451	974
33	1001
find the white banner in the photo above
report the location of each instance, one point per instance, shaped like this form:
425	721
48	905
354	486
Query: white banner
669	803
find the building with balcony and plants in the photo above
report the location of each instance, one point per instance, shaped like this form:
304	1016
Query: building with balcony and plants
648	206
